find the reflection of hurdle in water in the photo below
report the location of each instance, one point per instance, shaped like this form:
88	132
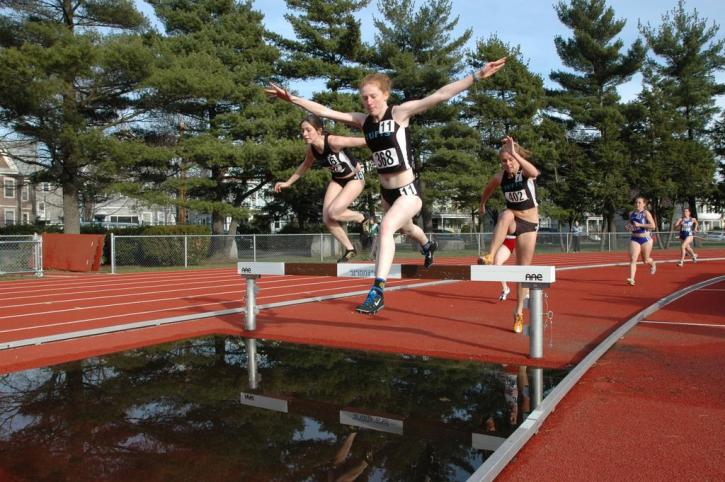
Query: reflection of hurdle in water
362	418
536	278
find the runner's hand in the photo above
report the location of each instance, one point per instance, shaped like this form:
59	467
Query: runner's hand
275	90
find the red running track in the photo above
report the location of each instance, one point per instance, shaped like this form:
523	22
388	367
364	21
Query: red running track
650	409
454	320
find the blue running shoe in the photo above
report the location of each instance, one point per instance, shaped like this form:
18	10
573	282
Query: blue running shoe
372	304
427	251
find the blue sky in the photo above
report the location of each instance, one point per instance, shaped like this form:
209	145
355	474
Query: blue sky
531	24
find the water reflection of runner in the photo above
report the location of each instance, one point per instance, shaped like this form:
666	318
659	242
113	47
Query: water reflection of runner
344	467
513	391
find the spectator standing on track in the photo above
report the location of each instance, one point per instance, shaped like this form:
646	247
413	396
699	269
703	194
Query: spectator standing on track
577	232
347	178
640	224
387	136
688	227
517	180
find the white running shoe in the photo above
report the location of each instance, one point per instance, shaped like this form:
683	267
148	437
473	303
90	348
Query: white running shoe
680	264
504	294
694	258
653	268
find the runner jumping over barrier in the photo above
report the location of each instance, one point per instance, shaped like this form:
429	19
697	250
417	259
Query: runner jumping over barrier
387	136
516	178
347	178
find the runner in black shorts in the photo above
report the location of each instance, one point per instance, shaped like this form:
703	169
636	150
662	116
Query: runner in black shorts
347	178
386	134
516	179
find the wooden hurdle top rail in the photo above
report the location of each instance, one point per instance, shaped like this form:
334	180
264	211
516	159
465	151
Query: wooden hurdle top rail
515	274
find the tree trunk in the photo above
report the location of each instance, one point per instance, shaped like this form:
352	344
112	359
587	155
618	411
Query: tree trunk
71	212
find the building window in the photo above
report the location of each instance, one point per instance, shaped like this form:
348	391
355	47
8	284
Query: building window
26	217
46	187
124	219
25	193
9	217
9	191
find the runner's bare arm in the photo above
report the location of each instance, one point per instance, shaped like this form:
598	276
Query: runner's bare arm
354	119
406	110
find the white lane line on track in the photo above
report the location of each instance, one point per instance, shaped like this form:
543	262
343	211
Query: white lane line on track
123	284
356	283
186	309
681	323
240	292
188	287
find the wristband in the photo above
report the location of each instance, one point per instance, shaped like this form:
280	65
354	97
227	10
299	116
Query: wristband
473	75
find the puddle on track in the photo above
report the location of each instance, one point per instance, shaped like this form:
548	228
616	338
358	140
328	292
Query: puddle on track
205	410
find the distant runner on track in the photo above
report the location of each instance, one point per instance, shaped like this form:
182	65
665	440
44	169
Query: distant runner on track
503	253
688	227
640	224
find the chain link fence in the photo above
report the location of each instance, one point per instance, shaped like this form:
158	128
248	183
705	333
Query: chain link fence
152	252
21	254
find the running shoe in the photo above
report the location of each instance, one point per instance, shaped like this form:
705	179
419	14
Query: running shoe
680	264
372	304
349	254
486	259
428	253
694	258
630	281
504	294
653	268
518	322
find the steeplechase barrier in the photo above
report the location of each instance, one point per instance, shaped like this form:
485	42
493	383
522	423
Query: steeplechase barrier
536	278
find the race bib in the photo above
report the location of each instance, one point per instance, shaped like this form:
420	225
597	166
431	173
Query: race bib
334	165
516	196
386	158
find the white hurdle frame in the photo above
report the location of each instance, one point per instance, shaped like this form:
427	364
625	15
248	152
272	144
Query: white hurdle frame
536	278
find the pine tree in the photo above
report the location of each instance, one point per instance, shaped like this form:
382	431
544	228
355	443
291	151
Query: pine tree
589	96
690	55
215	61
72	74
415	47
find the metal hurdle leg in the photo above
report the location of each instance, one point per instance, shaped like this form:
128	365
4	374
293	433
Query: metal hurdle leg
536	327
253	374
250	323
536	385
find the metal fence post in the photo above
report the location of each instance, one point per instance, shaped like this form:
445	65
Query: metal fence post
38	254
322	247
113	253
186	251
254	247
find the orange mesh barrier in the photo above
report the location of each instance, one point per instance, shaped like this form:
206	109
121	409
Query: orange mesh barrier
72	252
